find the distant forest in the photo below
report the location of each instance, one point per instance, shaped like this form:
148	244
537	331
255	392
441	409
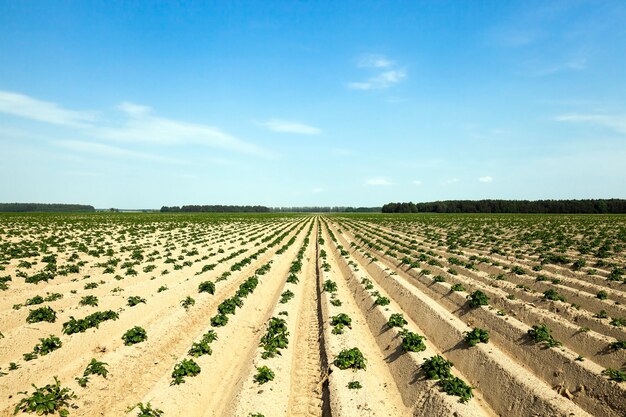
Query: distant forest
264	209
599	206
45	208
215	209
337	209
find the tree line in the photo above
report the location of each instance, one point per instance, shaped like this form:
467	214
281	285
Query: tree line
264	209
44	208
215	209
590	206
326	209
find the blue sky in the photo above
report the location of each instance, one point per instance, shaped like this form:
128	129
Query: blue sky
311	103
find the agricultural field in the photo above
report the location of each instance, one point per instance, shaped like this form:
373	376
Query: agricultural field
312	315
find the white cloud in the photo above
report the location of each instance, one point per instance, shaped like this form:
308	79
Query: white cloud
112	151
139	126
417	182
486	178
133	109
142	127
617	123
285	126
387	73
383	80
378	181
43	111
374	61
452	180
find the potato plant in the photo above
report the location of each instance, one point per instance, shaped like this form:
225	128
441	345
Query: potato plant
350	359
475	336
49	399
135	335
183	369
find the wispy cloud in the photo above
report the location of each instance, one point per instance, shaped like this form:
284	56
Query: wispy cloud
387	73
112	151
616	123
139	125
452	180
285	126
378	181
542	70
486	178
417	182
374	61
20	105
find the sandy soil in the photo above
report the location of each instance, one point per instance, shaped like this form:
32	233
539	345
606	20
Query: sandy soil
510	375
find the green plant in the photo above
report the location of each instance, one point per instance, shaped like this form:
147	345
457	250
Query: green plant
437	367
602	314
49	399
439	278
381	301
476	336
91	285
275	338
135	335
620	344
203	346
330	286
186	367
342	319
53	297
367	283
397	320
354	385
34	301
477	299
207	286
551	294
47	345
456	386
264	374
286	296
93	320
457	287
89	300
219	320
541	334
602	295
162	288
147	410
187	302
336	302
615	375
96	368
133	300
292	279
412	342
41	314
82	381
618	321
350	359
517	270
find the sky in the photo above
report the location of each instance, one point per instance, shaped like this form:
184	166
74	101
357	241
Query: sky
289	103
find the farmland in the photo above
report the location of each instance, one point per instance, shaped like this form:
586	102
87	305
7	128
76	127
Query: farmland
310	315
